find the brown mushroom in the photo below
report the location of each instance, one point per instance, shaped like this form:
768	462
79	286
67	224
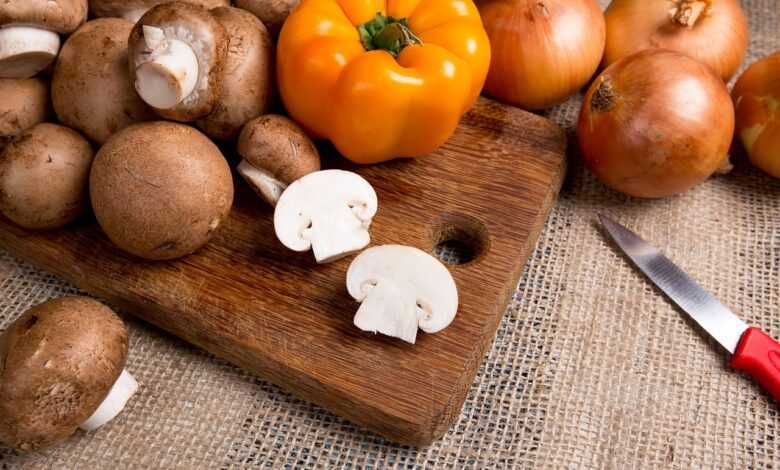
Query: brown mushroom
43	177
271	12
177	52
28	33
160	189
61	367
247	78
132	10
24	103
111	102
276	152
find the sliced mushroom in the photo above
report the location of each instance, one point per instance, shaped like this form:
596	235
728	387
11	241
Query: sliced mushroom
247	78
177	52
328	212
276	152
400	289
43	177
160	189
271	12
133	10
111	102
61	367
24	103
28	33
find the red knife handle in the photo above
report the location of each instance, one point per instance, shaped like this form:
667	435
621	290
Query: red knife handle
758	354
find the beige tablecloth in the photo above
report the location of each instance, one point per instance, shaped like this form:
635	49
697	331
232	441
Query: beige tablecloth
591	367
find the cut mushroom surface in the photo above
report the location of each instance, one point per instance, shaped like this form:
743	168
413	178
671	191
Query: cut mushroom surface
401	288
328	212
61	367
177	52
28	33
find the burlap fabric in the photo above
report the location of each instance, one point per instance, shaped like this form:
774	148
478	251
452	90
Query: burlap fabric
591	367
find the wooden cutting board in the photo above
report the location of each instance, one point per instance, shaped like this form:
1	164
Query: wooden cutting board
246	298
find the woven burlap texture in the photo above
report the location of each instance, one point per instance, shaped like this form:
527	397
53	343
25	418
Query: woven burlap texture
591	366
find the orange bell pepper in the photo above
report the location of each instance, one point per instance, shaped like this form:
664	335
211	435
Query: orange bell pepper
382	79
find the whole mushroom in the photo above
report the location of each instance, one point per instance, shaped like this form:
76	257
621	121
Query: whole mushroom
401	289
133	10
43	177
247	77
327	211
275	153
28	33
25	103
61	367
271	12
111	102
160	189
177	52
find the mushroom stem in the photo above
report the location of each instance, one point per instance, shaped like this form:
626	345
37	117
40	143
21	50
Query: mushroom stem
262	181
26	50
170	74
124	387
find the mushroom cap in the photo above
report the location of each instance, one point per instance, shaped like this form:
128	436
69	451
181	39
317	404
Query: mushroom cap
43	177
425	286
271	12
132	10
58	362
327	211
112	102
247	77
160	189
62	16
276	144
25	103
207	38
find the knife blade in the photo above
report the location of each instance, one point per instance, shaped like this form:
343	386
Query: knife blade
752	350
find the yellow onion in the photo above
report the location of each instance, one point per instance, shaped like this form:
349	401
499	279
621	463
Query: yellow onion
655	124
757	102
542	51
711	31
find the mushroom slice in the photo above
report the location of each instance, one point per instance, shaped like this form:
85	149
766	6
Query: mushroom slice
28	33
177	52
328	212
400	289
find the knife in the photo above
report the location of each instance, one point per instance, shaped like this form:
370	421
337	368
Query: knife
752	350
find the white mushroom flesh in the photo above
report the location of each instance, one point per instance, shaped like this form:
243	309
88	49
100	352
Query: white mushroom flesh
400	289
124	387
169	73
262	181
26	50
328	212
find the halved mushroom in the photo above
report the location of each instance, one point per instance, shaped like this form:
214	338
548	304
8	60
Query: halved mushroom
160	189
43	177
110	103
247	77
28	33
24	103
133	10
328	212
400	289
271	12
276	152
177	52
61	367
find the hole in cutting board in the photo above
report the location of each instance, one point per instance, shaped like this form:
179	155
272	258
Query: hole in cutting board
459	238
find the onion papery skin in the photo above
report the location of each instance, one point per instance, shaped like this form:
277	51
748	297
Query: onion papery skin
655	124
718	37
757	103
543	51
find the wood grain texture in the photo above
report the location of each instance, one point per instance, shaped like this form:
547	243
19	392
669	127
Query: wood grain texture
246	298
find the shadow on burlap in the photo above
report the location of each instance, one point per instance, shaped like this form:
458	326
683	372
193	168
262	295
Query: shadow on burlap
591	367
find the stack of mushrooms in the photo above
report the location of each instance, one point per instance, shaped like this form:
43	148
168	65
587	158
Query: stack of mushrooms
121	110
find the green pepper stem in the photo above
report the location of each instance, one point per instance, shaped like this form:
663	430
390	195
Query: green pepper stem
387	33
